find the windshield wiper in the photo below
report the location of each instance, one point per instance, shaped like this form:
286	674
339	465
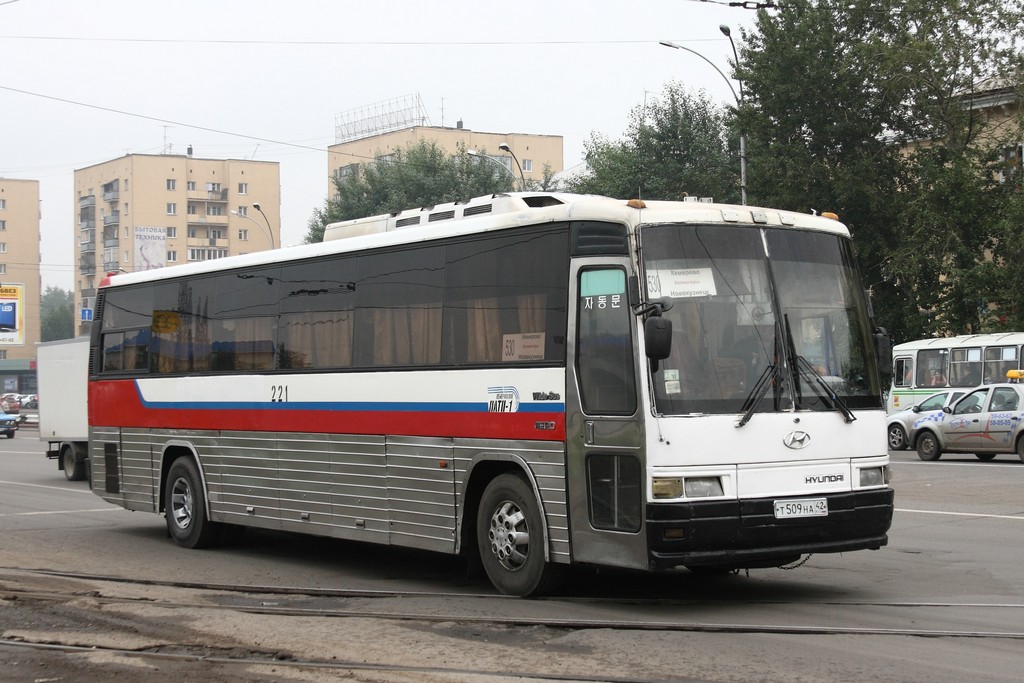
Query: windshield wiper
764	382
807	371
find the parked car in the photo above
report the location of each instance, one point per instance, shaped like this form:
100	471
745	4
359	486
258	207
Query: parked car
901	427
986	421
8	424
10	403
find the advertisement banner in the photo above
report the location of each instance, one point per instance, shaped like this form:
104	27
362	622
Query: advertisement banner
12	315
150	248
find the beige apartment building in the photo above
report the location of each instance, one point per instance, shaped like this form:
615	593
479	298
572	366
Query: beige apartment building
532	151
145	211
19	284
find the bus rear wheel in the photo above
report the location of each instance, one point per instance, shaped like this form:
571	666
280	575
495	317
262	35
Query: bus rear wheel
185	507
511	539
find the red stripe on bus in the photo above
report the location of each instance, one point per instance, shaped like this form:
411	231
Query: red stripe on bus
118	404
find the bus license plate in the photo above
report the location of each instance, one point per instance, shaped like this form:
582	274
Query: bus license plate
808	507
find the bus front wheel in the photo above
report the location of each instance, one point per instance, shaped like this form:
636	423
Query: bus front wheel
185	507
510	537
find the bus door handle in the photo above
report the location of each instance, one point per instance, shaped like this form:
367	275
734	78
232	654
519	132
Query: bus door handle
588	432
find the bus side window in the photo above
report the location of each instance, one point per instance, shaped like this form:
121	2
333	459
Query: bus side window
903	374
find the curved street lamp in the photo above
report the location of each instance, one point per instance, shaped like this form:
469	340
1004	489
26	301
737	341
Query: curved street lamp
522	178
503	167
267	230
739	101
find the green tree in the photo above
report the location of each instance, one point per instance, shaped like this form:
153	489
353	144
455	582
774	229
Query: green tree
57	314
421	174
675	145
872	118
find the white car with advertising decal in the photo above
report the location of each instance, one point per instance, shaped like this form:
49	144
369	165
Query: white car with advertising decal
986	422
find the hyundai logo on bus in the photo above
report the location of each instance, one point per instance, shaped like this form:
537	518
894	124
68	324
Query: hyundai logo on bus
796	440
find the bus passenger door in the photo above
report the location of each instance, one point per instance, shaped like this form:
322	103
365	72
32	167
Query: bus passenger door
603	430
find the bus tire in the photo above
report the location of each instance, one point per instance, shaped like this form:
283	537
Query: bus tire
510	538
928	447
984	456
73	466
185	507
1020	448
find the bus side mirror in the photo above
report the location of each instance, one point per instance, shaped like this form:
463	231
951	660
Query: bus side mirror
883	350
657	338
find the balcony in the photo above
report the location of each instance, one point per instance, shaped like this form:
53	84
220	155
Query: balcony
111	195
85	202
87	247
111	242
112	219
87	224
207	220
111	266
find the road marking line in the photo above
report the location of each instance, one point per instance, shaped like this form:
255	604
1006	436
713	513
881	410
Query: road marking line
44	486
1018	518
57	512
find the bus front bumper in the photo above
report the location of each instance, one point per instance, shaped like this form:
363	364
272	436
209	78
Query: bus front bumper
746	533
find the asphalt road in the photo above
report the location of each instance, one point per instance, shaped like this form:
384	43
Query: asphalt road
943	602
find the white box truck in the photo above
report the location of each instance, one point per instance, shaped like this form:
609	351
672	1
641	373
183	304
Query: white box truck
62	369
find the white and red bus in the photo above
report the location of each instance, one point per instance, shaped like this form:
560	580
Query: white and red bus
531	379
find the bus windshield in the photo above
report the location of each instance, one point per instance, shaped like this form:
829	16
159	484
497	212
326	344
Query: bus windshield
763	320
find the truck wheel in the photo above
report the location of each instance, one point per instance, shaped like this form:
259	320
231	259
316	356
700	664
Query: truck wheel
185	507
74	469
510	538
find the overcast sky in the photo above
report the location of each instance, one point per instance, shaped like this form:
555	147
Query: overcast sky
84	82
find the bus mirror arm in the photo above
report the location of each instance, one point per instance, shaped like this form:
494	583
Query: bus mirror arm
883	350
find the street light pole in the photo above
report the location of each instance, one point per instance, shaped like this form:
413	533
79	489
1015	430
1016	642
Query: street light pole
522	178
743	136
739	101
270	230
503	167
258	224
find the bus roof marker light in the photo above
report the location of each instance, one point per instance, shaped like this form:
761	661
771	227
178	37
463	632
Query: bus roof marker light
636	204
829	214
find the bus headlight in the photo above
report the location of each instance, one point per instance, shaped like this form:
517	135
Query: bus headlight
667	487
873	476
703	487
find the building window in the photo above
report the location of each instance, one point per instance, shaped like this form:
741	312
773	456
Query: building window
3	269
3	203
3	247
213	187
172	231
216	234
3	354
243	211
190	185
243	188
206	254
172	184
3	225
172	209
192	210
243	234
172	257
527	165
214	210
200	233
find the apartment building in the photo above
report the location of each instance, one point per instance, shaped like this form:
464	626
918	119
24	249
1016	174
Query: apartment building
145	211
532	151
19	284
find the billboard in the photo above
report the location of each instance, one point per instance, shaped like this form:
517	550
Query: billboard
150	248
12	315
